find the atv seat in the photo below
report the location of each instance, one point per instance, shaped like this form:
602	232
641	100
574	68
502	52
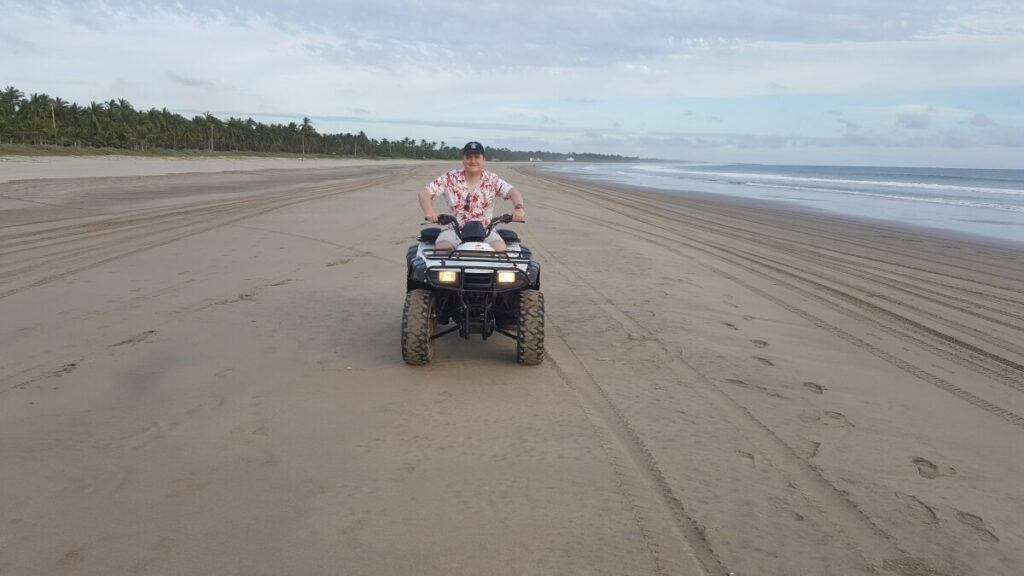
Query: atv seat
429	234
508	235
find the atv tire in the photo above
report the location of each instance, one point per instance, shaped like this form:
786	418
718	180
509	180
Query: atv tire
530	334
418	324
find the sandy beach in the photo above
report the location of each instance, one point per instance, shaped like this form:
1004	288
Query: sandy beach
200	373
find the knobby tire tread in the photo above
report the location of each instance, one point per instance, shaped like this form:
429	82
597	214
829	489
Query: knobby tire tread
530	337
418	327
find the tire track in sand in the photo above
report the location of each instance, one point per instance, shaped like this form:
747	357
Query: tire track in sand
872	544
165	228
904	328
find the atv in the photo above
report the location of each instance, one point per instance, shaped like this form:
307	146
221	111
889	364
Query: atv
472	289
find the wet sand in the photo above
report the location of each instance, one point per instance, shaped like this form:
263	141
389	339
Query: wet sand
200	373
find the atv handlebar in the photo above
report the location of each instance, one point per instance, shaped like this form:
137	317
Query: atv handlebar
445	219
503	219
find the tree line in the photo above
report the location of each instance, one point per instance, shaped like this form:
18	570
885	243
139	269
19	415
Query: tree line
38	119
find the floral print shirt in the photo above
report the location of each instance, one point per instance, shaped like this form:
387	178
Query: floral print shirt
468	204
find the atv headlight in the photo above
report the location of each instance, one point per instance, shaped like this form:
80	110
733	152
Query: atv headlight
506	277
447	276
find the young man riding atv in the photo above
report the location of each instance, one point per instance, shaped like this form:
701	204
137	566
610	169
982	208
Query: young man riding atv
470	194
471	277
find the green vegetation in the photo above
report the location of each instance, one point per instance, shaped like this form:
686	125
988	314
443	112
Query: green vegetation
55	126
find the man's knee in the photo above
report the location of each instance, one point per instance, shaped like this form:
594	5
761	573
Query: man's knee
498	245
443	246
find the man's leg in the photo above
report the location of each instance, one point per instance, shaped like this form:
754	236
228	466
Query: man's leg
496	241
446	241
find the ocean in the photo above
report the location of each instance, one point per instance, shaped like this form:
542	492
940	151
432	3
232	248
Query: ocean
985	202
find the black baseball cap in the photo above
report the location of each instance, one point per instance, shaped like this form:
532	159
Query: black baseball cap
473	148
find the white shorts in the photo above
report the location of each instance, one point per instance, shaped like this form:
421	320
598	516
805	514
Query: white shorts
448	235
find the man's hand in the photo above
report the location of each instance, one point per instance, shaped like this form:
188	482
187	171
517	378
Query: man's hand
431	217
519	215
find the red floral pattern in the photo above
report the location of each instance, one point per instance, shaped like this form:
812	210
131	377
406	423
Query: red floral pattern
468	204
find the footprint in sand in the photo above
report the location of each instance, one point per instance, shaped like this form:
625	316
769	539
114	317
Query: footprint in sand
809	449
749	457
757	387
917	509
784	507
927	469
138	338
759	343
730	325
977	525
73	558
246	297
826	418
838	418
809	417
65	369
816	388
764	361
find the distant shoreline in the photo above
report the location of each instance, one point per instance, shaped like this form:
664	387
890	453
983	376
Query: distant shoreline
910	231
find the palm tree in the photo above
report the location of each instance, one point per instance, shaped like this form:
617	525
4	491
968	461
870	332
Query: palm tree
306	134
10	99
97	123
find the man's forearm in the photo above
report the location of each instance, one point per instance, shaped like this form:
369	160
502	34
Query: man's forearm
516	197
425	204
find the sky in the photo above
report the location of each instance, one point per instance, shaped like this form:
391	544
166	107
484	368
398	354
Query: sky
860	82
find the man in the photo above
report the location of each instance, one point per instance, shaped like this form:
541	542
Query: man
470	194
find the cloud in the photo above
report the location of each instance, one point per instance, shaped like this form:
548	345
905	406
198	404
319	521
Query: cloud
981	120
92	21
850	126
992	19
576	33
1009	136
552	128
913	121
601	49
953	139
764	141
17	46
188	81
534	116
